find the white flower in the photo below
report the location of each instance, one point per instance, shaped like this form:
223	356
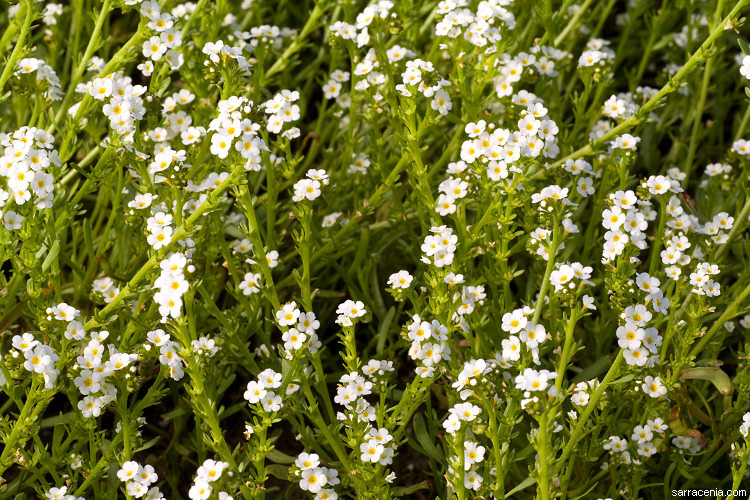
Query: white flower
313	479
630	336
293	339
371	451
288	314
160	236
307	461
255	392
332	89
642	434
472	480
128	471
24	342
637	314
625	141
580	398
616	444
590	58
473	454
57	493
401	279
654	387
249	285
658	184
271	402
741	147
532	380
154	48
211	470
514	322
101	88
745	68
308	189
63	312
200	490
636	357
269	378
351	309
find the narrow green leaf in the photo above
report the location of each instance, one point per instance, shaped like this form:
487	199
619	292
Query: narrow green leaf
408	490
523	485
716	376
424	438
278	471
279	457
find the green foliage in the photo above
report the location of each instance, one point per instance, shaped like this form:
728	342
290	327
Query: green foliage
363	249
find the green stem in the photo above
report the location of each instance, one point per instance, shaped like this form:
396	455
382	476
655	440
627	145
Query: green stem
81	67
30	408
193	17
208	410
556	238
698	56
738	223
18	50
698	114
104	461
743	124
256	239
739	476
334	441
658	237
125	423
183	231
10	32
545	455
297	44
569	329
670	325
730	313
698	111
654	31
580	427
305	247
572	24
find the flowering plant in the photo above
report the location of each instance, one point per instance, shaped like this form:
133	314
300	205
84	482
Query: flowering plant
373	249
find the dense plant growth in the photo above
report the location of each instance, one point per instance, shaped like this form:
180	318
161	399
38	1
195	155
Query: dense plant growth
339	249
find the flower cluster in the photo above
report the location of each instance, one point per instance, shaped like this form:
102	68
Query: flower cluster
168	352
429	345
164	44
521	331
315	478
439	247
171	283
138	480
28	155
643	436
92	383
281	111
309	188
123	103
38	358
459	413
260	391
221	199
349	311
203	484
626	222
43	73
60	493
